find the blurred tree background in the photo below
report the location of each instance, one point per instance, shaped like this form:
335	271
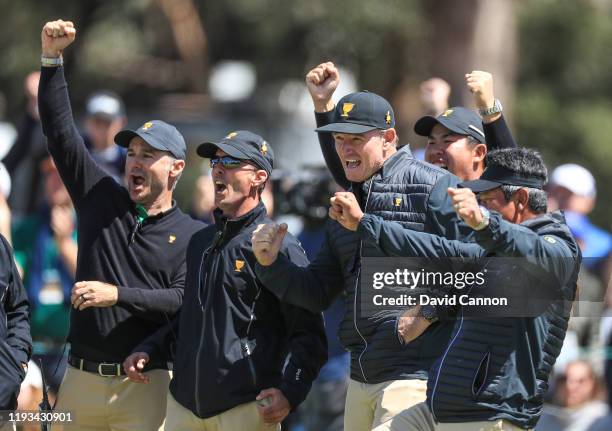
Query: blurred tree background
550	59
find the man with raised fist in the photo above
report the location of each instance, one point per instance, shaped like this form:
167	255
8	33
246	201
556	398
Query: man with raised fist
386	376
131	255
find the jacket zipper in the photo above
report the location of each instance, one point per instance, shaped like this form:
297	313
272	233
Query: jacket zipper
450	345
215	244
365	209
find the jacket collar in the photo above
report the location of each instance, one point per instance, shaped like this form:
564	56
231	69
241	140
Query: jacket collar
232	226
158	216
396	159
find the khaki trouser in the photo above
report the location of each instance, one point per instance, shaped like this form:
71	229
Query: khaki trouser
373	406
419	418
244	417
112	403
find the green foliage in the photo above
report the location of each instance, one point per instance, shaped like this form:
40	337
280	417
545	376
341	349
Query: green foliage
565	82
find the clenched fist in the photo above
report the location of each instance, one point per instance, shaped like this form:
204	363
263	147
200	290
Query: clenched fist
480	83
267	240
466	205
345	210
55	36
322	81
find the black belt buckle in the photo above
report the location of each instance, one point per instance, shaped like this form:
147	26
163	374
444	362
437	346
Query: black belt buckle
109	370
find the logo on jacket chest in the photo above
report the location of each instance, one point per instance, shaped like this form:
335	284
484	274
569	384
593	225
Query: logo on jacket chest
239	264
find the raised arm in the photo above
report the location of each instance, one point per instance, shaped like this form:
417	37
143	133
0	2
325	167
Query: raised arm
321	82
497	133
78	170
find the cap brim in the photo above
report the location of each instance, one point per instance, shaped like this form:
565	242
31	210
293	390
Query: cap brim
208	150
478	186
124	137
351	128
424	125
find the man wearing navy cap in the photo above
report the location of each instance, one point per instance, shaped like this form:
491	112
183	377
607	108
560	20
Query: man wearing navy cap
386	376
234	336
494	371
131	256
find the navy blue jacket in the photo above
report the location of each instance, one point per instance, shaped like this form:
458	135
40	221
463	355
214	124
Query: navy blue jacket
15	340
496	368
405	190
223	356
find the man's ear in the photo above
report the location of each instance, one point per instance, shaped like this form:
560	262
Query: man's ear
176	167
390	136
479	152
521	197
261	177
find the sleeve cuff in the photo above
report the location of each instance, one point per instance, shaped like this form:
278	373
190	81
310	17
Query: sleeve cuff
324	118
266	274
294	394
125	295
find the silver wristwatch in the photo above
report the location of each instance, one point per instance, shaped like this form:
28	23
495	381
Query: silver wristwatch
486	216
496	108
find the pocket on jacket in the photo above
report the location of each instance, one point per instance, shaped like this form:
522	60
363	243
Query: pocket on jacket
482	372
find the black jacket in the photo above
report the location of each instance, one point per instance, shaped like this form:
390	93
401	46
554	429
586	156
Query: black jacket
15	340
224	357
146	260
405	190
497	368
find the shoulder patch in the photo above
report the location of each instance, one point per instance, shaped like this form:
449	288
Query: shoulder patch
550	239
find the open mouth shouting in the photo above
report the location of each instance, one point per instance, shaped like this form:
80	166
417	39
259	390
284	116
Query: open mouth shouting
351	164
136	182
220	187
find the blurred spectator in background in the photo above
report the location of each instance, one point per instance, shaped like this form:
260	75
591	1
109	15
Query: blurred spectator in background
572	188
203	199
434	94
581	393
605	423
25	154
105	117
46	249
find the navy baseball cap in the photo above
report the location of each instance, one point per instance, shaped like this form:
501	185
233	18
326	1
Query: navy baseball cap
243	145
459	120
359	113
161	136
495	176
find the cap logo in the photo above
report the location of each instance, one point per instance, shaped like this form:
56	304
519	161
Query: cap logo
147	125
388	117
346	108
397	202
264	148
231	135
447	112
171	239
239	265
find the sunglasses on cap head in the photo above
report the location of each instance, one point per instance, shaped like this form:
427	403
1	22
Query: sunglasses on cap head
227	162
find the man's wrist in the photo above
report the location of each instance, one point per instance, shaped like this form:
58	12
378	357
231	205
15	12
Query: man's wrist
324	106
49	60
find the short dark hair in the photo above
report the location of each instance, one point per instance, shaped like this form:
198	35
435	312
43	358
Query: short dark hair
528	163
